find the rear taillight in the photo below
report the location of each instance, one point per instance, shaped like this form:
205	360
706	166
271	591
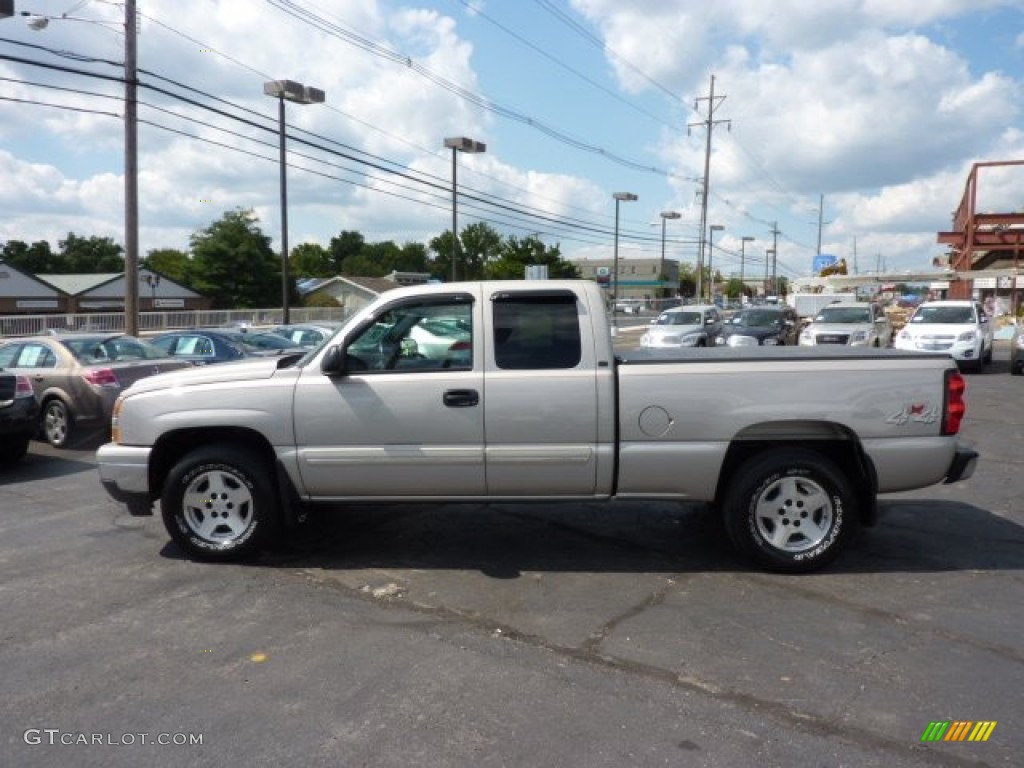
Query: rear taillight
22	387
955	406
101	377
460	346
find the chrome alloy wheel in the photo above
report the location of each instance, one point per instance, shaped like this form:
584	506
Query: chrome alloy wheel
218	506
794	514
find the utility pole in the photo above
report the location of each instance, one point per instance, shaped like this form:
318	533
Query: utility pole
775	252
131	174
855	255
821	210
708	124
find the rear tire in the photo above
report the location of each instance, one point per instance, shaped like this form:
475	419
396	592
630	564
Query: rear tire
790	510
219	503
57	423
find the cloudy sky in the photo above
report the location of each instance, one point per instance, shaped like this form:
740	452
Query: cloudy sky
878	108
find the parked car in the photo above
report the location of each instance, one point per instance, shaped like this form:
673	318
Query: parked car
697	325
205	346
77	376
273	343
958	328
307	335
19	415
1017	351
630	306
855	324
761	326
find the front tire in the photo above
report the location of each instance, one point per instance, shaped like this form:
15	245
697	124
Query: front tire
790	510
219	503
14	448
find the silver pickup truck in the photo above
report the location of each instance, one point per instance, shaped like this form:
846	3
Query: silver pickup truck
511	391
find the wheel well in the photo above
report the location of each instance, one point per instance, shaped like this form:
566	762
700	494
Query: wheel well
831	441
172	446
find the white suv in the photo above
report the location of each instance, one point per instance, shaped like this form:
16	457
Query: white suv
857	324
695	325
960	329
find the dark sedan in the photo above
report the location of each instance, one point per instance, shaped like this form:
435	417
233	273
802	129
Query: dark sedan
77	376
205	346
761	326
19	415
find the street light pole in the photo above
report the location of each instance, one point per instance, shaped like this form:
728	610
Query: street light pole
711	258
768	252
297	93
743	252
665	215
619	198
459	144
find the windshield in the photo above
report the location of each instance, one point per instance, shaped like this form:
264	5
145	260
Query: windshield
758	318
948	315
678	318
844	315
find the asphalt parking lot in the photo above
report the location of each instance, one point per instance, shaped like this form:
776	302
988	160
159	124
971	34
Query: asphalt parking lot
576	634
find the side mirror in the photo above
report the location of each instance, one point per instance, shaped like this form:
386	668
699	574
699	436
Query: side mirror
333	362
338	362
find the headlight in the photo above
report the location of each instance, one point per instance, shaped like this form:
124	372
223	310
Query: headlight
1020	341
966	336
807	336
858	336
771	341
721	341
689	341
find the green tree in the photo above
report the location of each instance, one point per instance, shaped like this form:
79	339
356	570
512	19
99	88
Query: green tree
233	263
413	257
687	280
735	288
478	244
90	255
518	254
35	259
169	262
343	246
309	260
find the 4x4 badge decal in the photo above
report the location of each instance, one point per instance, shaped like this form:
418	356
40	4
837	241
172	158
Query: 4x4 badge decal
921	413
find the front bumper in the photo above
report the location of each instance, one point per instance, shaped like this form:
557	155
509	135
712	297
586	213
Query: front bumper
124	474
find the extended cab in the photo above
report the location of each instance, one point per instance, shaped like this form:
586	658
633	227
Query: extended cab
516	394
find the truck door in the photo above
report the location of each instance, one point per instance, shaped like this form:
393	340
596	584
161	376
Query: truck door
540	397
406	419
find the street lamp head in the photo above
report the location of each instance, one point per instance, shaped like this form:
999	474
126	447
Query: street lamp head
624	196
747	239
671	215
463	144
716	228
297	93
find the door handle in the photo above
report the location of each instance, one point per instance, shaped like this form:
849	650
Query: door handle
461	398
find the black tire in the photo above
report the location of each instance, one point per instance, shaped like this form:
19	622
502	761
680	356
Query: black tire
987	357
219	503
790	510
1017	369
13	448
56	423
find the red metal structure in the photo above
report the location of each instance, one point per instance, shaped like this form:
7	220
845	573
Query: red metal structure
990	242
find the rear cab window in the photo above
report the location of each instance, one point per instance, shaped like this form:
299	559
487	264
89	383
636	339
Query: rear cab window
536	330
